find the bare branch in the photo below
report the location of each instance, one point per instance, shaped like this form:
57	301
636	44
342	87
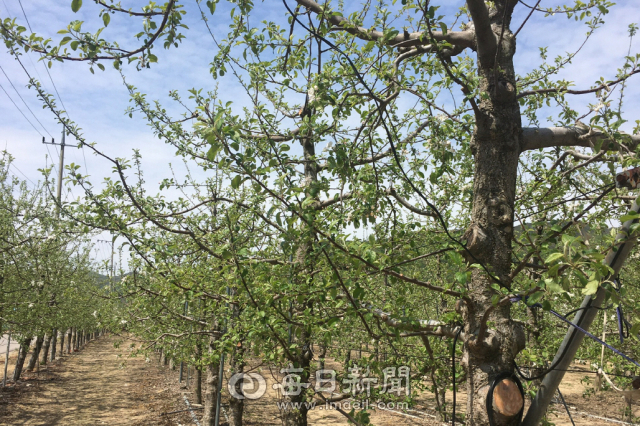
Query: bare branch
459	38
391	191
536	138
419	50
326	203
486	39
564	90
428	327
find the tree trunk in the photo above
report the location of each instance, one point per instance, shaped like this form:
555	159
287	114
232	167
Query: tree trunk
198	390
62	333
74	339
36	353
69	332
22	355
296	408
211	391
323	354
45	349
54	341
496	147
236	405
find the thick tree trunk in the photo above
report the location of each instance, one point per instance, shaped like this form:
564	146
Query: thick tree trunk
211	390
45	349
323	354
36	353
69	333
496	147
198	390
296	408
22	355
236	406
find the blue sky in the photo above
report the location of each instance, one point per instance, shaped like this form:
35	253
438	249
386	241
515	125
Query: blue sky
96	102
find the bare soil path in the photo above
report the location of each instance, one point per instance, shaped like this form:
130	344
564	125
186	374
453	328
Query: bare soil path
100	385
105	385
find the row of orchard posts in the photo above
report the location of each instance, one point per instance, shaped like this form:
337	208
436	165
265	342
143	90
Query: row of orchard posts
44	350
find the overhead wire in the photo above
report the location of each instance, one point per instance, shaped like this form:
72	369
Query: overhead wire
20	171
18	108
55	88
23	101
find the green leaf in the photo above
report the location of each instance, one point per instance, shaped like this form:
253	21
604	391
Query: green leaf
443	26
591	287
235	183
76	5
461	277
212	6
552	286
554	257
627	217
106	18
101	67
74	44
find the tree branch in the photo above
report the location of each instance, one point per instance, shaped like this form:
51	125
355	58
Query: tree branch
119	9
459	38
391	191
536	138
564	90
486	44
127	54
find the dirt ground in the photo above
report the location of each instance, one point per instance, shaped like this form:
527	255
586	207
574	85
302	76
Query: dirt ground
99	385
104	385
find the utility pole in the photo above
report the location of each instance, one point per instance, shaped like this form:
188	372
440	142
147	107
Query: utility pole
58	207
60	170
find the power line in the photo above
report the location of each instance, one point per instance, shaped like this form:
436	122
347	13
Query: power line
25	104
55	88
45	67
20	171
25	117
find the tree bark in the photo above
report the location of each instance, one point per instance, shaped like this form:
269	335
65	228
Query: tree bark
198	367
296	409
69	333
211	390
62	333
54	341
45	348
36	353
74	339
22	355
496	146
236	405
